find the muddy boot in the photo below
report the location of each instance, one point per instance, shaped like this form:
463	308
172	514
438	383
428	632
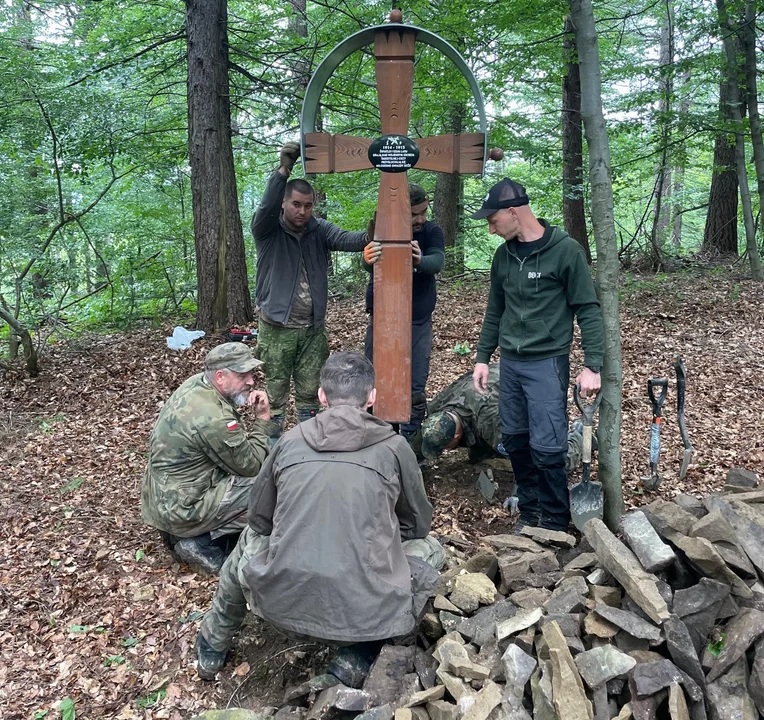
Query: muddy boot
200	553
351	664
209	661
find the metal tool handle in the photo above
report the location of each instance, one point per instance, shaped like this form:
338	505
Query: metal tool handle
658	401
655	445
681	380
587	410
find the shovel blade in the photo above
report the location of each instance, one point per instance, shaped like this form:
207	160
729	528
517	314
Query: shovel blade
586	503
685	462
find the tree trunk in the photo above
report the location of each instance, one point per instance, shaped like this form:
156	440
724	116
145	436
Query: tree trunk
448	204
752	96
572	146
663	170
603	225
720	232
221	267
678	173
730	50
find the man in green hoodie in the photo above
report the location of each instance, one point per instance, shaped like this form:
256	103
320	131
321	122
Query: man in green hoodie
540	281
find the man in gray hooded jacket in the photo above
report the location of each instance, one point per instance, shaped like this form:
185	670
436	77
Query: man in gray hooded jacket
337	548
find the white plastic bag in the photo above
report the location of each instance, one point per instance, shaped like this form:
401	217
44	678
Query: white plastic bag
181	338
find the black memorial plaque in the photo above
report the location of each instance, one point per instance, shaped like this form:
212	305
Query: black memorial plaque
393	153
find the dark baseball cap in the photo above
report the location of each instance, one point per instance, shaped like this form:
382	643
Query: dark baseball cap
231	356
504	194
437	432
417	194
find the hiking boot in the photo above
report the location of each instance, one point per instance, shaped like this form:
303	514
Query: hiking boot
200	553
209	661
578	427
523	523
351	664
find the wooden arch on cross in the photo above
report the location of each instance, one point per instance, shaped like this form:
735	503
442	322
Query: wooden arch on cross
393	154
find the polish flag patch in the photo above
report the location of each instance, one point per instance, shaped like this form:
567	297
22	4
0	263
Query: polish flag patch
233	425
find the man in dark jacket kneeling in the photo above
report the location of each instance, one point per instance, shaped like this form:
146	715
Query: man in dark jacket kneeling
337	547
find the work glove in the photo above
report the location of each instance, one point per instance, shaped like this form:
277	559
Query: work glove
372	252
289	154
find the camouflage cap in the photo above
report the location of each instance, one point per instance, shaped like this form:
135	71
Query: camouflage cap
438	430
231	356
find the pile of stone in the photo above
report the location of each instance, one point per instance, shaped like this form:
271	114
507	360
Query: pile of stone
667	622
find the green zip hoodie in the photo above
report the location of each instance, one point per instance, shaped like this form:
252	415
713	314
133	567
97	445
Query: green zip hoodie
532	302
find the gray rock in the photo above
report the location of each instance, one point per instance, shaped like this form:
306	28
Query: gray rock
677	703
545	562
565	599
600	576
230	714
522	620
490	656
756	680
629	622
525	639
513	542
386	680
442	710
599	665
314	685
568	693
691	504
629	644
728	697
616	686
624	566
485	701
430	625
600	703
425	666
455	659
667	516
555	538
643	708
570	623
481	627
699	597
456	687
341	698
605	594
424	696
652	677
530	598
292	712
747	524
486	484
741	632
535	580
729	608
443	603
448	621
740	477
541	692
682	650
701	624
512	566
383	712
584	561
651	551
596	626
518	667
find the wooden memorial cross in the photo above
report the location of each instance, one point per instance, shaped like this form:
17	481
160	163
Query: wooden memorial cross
393	154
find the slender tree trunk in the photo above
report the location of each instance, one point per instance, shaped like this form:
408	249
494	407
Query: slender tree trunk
720	232
572	146
730	51
752	96
678	172
663	170
448	203
603	225
221	267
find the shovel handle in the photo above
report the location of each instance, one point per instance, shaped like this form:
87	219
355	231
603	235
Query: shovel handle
681	381
586	409
657	400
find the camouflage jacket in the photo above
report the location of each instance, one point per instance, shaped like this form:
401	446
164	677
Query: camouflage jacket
198	441
479	412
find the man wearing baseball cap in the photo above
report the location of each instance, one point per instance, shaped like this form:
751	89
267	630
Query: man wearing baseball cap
540	281
202	462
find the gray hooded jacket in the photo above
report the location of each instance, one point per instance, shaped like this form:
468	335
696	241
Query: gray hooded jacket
337	495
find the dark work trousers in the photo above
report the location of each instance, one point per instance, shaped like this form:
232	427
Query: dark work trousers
421	349
534	427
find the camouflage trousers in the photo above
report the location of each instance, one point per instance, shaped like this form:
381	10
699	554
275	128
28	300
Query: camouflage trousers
288	353
233	596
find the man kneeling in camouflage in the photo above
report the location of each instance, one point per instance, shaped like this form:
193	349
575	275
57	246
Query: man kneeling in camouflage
337	547
461	416
202	463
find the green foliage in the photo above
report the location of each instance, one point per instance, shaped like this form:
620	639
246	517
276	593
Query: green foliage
67	709
462	348
112	660
72	485
716	647
151	699
139	554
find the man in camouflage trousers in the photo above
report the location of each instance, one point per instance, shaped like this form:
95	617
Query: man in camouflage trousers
202	462
462	416
338	547
292	287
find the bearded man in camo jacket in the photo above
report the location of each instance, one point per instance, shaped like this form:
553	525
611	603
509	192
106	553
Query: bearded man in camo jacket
202	461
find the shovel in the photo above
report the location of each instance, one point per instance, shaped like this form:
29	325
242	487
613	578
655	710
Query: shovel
586	496
681	378
653	481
